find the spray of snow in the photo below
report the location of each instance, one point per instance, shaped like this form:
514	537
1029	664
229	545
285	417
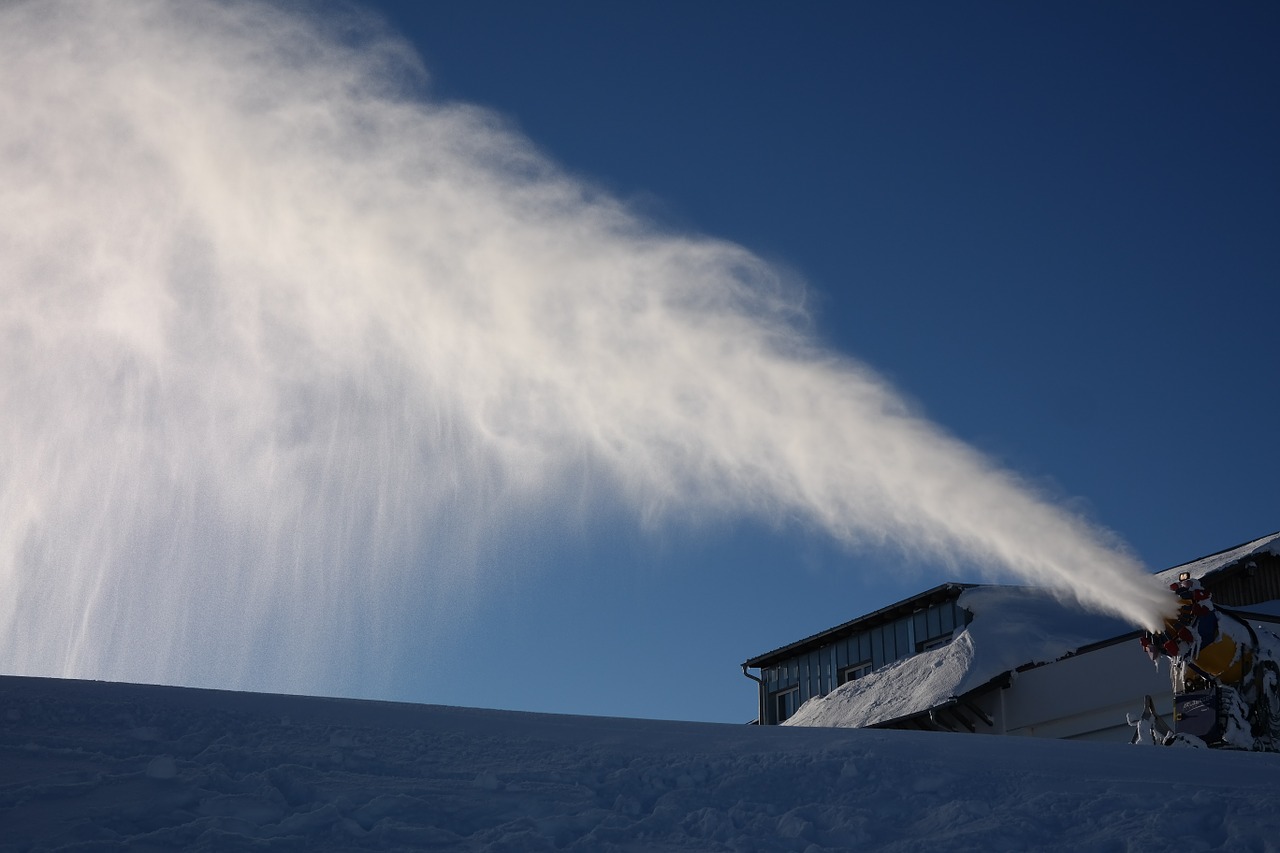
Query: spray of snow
285	341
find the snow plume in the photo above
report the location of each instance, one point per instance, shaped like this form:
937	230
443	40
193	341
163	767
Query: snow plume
285	342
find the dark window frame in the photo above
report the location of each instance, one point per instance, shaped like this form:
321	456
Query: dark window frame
780	700
856	671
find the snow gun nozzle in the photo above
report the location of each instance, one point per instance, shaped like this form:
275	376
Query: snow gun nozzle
1194	610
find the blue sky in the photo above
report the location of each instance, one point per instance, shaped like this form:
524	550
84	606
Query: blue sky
1052	226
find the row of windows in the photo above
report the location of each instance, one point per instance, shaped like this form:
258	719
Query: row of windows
922	630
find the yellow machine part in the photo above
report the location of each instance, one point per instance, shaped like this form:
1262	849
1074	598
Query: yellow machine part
1224	659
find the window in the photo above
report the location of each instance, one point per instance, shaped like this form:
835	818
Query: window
858	670
948	620
785	702
939	624
902	639
935	643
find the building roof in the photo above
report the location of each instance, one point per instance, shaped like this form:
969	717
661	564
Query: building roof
942	592
1223	559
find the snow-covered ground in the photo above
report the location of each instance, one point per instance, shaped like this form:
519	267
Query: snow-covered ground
95	766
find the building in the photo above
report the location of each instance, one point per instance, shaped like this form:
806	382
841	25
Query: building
817	665
995	659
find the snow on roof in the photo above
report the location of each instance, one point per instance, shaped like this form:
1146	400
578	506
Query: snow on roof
1012	627
1269	544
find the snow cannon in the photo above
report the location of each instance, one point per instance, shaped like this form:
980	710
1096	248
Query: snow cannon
1225	675
1195	634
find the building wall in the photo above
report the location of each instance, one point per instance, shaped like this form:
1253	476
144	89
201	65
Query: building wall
1083	697
792	681
1087	696
1257	581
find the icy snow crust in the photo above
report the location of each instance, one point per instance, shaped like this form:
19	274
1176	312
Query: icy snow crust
1012	626
104	767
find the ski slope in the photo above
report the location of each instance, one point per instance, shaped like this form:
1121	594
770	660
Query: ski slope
92	766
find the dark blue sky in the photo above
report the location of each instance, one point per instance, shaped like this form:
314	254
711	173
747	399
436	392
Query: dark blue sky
1053	226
